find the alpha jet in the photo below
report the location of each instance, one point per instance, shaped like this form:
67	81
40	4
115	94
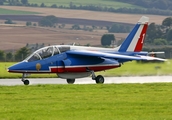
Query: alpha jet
71	62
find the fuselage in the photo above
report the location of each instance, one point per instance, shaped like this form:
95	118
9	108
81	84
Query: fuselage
54	59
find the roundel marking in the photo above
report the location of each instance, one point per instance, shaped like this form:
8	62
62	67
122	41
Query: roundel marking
38	66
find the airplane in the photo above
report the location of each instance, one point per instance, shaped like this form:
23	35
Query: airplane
71	62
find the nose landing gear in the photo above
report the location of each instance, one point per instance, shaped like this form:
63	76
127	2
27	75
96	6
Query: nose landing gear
26	82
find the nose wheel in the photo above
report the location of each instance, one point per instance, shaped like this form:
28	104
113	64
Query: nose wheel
26	82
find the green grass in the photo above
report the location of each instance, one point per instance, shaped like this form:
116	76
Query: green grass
141	69
107	3
87	102
15	12
127	69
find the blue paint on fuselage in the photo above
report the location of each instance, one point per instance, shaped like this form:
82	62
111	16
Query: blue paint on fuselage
84	60
61	60
45	64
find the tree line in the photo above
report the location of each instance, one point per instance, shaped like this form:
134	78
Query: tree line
152	10
160	34
17	56
14	2
158	7
157	4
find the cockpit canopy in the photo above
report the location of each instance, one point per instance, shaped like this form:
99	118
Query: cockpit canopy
46	52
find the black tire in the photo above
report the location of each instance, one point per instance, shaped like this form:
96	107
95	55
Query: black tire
70	81
99	79
26	82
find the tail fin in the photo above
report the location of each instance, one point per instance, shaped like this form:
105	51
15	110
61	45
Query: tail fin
134	41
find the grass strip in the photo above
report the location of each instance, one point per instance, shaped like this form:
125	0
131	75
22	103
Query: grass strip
87	102
15	12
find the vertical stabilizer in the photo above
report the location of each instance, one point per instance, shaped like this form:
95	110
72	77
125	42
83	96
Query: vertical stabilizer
134	41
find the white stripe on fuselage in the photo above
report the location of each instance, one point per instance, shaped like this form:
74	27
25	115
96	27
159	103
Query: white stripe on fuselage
98	65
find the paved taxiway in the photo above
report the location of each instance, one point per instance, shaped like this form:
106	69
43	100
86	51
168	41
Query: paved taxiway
88	80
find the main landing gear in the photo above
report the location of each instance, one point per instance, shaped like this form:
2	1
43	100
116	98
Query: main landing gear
70	81
99	79
26	82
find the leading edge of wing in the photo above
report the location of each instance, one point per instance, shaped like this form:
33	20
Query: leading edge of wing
109	55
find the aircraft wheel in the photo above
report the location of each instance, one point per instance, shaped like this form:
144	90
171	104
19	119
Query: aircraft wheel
70	81
99	79
26	82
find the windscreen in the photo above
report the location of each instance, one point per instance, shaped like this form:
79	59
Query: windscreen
46	52
34	57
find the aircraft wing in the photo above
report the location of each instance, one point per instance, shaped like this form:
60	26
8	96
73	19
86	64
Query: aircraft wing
109	55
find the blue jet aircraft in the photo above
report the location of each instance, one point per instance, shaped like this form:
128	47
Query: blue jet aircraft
71	62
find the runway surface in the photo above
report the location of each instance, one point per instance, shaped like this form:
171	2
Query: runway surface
88	80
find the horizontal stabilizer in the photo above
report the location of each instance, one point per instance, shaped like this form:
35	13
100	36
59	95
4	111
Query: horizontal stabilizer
149	53
149	58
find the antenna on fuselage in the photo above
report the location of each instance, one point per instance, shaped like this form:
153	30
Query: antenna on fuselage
73	44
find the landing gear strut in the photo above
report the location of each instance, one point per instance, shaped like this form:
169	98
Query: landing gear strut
26	82
70	81
99	79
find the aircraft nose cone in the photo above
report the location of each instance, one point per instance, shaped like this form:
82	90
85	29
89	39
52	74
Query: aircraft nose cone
13	68
16	67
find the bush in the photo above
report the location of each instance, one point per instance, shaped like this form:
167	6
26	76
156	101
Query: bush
8	21
48	21
76	27
34	5
42	5
54	6
34	24
107	39
160	41
28	23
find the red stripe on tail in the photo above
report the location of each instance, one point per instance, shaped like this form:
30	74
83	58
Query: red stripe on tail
139	44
